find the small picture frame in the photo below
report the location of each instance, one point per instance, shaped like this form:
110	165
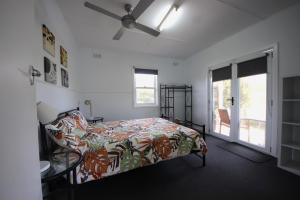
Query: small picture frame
63	57
50	71
48	40
64	78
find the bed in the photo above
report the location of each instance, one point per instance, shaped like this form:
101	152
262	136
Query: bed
113	147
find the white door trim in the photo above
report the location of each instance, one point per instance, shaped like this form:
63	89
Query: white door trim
272	104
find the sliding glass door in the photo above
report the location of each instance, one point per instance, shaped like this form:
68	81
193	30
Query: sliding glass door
252	95
252	109
239	108
221	100
222	107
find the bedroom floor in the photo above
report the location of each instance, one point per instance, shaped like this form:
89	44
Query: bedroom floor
225	176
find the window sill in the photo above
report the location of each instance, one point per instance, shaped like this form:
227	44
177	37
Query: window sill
145	105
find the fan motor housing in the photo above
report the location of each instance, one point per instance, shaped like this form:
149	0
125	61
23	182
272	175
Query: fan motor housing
128	21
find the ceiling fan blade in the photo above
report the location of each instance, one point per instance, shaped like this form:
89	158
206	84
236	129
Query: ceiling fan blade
141	7
147	29
119	33
101	10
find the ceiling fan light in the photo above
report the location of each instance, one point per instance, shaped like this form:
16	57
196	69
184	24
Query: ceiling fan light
129	20
170	18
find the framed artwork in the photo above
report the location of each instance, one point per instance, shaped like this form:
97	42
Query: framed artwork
63	57
50	71
48	41
64	78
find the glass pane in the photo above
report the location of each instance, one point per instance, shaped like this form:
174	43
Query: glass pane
145	96
253	100
221	107
145	80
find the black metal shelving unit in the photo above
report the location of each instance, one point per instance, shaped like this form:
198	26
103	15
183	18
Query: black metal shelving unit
167	103
167	108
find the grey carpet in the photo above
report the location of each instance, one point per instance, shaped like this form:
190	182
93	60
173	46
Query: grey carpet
244	152
226	176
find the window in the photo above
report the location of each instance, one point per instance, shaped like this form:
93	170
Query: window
145	87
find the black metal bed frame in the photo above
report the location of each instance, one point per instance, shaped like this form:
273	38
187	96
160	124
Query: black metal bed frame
49	145
196	152
167	104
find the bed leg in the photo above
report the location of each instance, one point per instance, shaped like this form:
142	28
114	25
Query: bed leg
203	136
201	156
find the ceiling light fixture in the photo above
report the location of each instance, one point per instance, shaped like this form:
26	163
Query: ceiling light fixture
170	18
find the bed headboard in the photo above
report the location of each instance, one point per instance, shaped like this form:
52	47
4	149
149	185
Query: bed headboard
66	113
47	144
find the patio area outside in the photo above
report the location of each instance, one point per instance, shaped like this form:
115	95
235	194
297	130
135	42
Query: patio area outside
252	108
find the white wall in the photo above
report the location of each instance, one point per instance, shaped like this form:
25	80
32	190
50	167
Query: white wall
108	82
19	165
49	13
282	28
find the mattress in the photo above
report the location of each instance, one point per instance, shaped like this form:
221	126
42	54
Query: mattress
114	147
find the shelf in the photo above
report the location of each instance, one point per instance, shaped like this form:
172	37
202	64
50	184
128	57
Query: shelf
290	134
292	166
170	87
291	123
292	145
291	100
291	87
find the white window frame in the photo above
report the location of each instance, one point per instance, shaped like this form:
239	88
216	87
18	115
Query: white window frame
139	105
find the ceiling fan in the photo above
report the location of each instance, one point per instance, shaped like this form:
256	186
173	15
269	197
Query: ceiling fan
128	20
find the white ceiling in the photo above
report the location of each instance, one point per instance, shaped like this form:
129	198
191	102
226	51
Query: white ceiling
201	24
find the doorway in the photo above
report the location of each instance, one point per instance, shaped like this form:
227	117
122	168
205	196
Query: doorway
240	101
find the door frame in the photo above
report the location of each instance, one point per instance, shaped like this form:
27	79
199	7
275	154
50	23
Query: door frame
210	104
272	100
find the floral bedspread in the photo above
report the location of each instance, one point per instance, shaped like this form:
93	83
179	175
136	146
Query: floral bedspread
113	147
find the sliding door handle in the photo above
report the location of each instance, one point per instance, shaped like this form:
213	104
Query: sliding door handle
232	100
